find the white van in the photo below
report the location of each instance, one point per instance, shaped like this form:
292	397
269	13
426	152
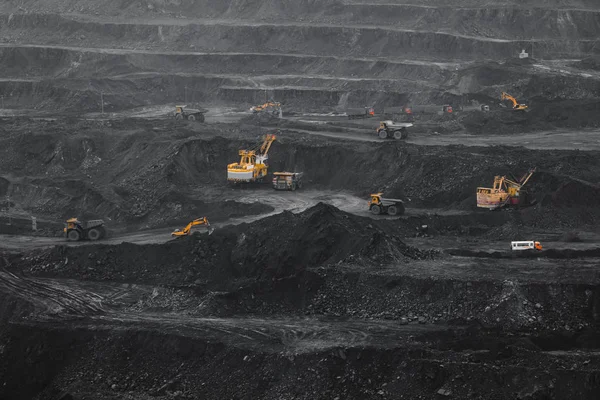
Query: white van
525	245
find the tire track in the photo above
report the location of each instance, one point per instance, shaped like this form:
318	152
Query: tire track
50	296
58	301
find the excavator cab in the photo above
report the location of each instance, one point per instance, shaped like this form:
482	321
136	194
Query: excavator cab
520	107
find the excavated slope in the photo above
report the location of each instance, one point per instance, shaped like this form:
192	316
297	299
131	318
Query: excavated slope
336	54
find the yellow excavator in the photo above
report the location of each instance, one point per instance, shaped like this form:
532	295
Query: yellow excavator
505	192
270	106
188	228
516	105
252	166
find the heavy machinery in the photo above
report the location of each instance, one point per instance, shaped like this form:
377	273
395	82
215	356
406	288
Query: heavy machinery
252	166
76	230
287	180
358	113
380	205
191	114
271	107
188	228
526	245
515	105
391	129
505	192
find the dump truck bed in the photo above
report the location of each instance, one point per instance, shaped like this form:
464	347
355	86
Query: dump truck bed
91	223
400	125
387	201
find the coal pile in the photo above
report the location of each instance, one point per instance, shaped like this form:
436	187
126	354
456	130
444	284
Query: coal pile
276	247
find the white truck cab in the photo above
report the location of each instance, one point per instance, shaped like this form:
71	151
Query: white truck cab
525	245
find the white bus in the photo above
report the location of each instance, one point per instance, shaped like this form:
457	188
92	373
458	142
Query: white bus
525	245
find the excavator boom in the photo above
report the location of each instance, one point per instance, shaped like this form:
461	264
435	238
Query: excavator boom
188	228
515	103
506	96
264	149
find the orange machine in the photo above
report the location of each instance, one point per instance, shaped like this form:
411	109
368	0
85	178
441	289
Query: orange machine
253	163
504	192
516	105
188	228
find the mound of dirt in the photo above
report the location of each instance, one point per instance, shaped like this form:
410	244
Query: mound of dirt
277	247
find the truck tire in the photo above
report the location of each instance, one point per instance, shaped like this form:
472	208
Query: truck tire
382	134
102	232
399	208
392	210
398	135
191	117
94	234
375	209
73	235
178	116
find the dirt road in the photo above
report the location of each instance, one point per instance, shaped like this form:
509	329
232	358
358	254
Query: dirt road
364	131
291	201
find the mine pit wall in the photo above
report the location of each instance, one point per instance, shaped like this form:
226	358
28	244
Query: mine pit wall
536	21
342	40
21	61
71	79
126	94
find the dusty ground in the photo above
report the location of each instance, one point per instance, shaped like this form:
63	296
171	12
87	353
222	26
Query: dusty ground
298	294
